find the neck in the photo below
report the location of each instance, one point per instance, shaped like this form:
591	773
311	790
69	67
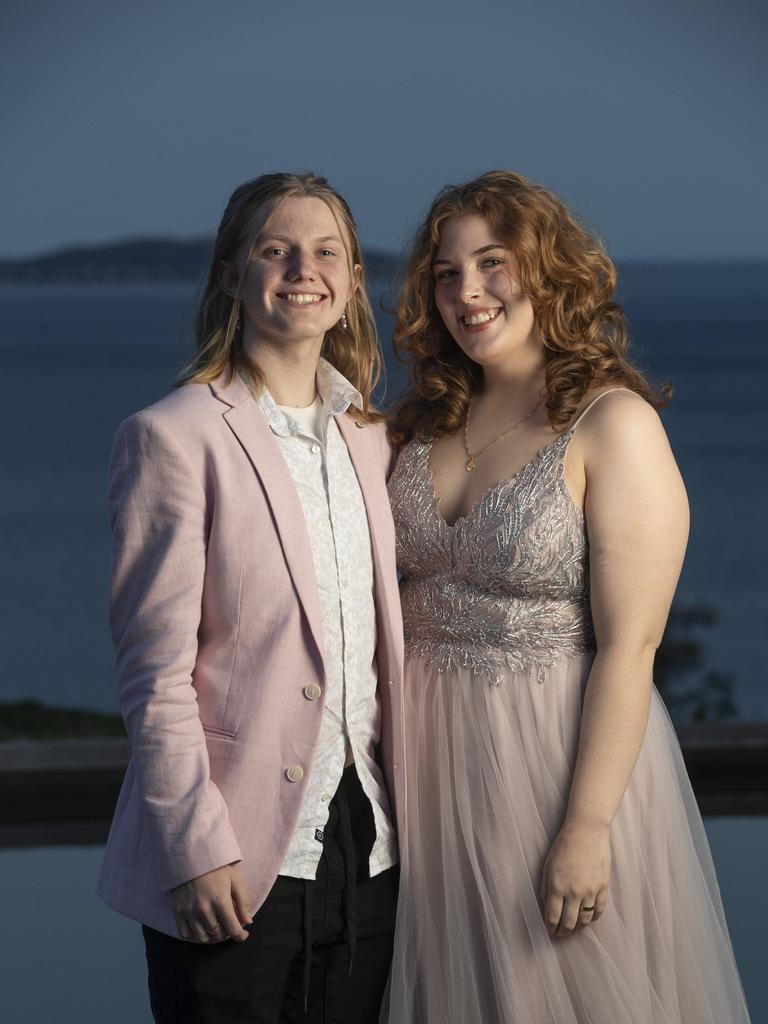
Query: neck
519	377
290	369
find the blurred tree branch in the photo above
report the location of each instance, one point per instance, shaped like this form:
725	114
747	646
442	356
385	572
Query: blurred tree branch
708	696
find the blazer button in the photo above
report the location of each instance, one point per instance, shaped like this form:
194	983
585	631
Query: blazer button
295	773
312	692
359	425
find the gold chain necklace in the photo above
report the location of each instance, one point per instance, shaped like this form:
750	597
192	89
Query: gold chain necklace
472	458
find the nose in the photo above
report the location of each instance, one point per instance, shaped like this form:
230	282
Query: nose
301	266
470	288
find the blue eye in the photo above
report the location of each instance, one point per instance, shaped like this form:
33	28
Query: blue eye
492	261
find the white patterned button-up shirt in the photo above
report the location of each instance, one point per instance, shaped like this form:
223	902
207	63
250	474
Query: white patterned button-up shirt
337	524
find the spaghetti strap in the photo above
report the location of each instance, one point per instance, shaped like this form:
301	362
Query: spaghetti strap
596	399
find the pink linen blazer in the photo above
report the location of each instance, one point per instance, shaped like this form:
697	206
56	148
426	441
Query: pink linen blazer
216	623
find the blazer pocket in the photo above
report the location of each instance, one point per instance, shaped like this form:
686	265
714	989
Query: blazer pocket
223	734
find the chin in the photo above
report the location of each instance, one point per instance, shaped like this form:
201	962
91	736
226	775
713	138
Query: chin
484	354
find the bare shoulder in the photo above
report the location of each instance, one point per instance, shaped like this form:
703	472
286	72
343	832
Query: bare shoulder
627	458
615	420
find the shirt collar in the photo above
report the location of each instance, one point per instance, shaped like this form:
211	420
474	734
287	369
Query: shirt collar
333	387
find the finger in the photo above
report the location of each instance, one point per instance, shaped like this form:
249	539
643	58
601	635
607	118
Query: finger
586	909
241	900
552	912
211	927
601	902
185	932
228	919
586	916
569	917
197	927
544	883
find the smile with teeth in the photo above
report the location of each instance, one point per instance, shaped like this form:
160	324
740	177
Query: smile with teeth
475	319
302	298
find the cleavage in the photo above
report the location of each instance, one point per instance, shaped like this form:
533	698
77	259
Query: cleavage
457	493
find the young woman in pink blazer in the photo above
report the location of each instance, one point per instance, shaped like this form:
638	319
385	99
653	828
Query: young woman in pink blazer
256	621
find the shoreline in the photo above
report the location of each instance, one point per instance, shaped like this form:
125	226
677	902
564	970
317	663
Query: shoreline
63	792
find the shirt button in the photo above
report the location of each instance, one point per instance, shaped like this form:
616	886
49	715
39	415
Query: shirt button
315	449
295	773
312	692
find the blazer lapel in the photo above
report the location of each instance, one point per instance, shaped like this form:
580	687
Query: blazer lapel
370	475
247	423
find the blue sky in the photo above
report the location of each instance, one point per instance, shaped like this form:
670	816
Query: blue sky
135	119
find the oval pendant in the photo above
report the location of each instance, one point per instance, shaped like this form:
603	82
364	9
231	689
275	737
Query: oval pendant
470	464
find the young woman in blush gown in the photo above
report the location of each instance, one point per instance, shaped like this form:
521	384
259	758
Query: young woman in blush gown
555	867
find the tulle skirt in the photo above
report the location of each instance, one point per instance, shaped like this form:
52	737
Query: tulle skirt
488	776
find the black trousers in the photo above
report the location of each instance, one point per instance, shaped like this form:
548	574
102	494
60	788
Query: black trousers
317	951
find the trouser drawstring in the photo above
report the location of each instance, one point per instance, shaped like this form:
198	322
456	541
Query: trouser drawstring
308	894
350	877
346	842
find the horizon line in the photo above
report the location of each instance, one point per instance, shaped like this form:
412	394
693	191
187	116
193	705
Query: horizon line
391	254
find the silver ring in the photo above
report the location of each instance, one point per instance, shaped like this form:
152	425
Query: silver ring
212	931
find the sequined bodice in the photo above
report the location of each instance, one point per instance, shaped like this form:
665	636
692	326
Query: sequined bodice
505	587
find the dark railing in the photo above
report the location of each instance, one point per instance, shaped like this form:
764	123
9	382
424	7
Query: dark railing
63	791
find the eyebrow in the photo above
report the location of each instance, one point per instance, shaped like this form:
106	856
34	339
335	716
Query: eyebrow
289	241
477	252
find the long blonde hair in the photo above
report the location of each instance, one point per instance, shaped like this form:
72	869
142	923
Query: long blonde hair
354	351
570	281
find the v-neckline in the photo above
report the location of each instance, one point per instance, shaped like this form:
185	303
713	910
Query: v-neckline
506	481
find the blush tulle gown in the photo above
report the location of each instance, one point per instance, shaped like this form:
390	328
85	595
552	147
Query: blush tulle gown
498	649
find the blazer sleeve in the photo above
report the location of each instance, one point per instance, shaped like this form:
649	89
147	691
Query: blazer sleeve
158	513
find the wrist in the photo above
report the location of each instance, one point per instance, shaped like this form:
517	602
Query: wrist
586	823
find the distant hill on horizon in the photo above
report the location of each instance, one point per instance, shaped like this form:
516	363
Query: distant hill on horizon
138	259
169	259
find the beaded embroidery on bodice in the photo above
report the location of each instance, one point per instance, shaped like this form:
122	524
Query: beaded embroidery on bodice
505	587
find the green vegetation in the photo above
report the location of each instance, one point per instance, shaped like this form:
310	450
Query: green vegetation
691	695
29	719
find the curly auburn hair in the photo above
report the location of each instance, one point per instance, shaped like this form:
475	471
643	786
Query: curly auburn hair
353	350
569	280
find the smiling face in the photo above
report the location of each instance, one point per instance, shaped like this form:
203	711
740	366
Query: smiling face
479	296
297	281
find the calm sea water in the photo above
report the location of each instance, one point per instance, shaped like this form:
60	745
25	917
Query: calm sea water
95	970
75	361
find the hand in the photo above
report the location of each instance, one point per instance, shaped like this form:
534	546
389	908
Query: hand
576	875
212	907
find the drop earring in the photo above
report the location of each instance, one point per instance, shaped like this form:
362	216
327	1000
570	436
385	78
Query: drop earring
343	321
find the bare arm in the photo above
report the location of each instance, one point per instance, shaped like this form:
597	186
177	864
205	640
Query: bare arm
637	520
